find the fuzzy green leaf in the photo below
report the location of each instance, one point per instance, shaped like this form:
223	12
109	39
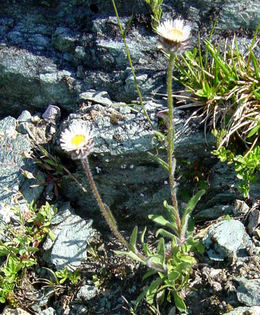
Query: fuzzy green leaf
145	245
162	221
165	233
133	238
33	249
127	26
151	292
255	64
254	130
219	61
3	251
51	162
187	259
161	250
160	161
179	302
159	135
149	274
2	299
171	212
131	255
191	205
173	275
140	298
143	234
146	249
154	262
51	235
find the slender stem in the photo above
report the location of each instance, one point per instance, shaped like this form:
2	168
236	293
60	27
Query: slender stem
131	65
107	212
73	177
170	138
252	147
103	208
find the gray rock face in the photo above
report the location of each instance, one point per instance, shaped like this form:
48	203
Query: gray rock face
254	310
237	14
248	291
231	15
48	311
78	309
129	179
51	52
33	81
72	234
13	147
87	292
222	193
101	97
214	212
224	183
10	311
226	239
51	60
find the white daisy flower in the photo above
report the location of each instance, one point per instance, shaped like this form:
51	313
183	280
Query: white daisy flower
173	34
77	139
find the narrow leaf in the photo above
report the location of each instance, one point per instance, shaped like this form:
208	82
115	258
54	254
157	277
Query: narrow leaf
191	205
51	235
145	245
143	234
160	135
165	233
179	302
3	251
127	26
172	214
159	219
173	275
140	298
131	255
149	274
160	161
256	65
146	249
154	262
51	162
161	250
152	289
133	238
253	131
27	174
187	259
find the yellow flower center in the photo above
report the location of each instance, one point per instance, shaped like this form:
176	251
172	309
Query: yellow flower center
77	140
174	32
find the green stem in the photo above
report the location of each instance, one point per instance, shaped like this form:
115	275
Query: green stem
131	65
103	208
106	211
170	139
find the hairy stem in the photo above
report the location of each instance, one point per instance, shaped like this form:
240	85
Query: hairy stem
106	212
131	65
170	140
103	208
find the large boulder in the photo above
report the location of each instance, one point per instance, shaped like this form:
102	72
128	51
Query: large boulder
18	173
